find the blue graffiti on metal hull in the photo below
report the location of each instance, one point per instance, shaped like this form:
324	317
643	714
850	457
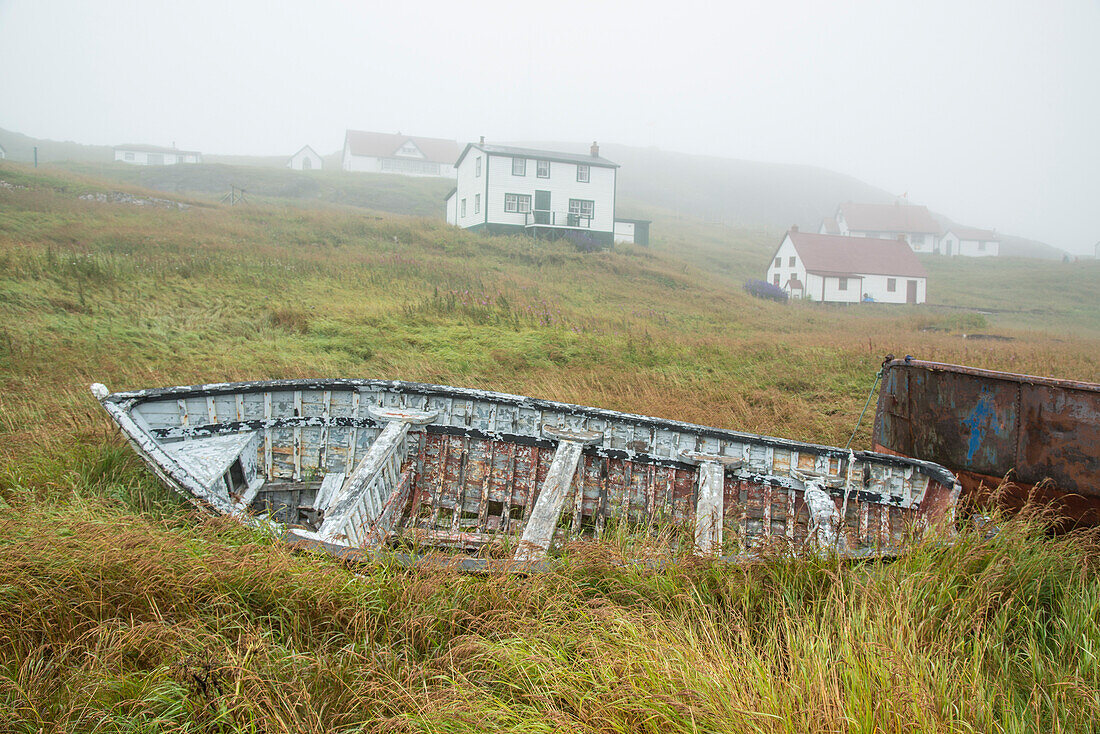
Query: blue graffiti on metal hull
979	421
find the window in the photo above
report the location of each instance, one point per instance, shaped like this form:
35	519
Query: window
843	284
775	279
416	168
477	166
583	173
542	169
778	262
477	203
891	285
519	166
791	261
463	207
517	202
582	207
129	156
981	245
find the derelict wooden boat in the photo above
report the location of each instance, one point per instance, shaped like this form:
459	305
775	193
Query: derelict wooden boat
1041	433
367	464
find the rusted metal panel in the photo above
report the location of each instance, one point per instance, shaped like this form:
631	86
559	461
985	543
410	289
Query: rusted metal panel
988	423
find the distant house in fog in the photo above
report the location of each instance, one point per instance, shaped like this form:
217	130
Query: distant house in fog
3	153
404	154
885	221
305	159
155	155
969	242
840	269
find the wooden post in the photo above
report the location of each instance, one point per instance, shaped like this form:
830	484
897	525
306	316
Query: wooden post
710	504
539	531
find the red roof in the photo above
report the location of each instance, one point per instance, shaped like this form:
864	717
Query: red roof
795	284
889	218
827	254
385	145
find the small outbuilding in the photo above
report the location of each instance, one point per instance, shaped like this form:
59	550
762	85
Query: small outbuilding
3	153
632	230
838	269
155	155
305	159
969	242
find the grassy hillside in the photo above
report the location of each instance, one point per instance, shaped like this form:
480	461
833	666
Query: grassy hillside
123	611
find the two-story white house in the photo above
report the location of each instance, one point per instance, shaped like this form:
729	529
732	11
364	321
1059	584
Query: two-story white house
155	155
969	242
405	154
839	269
505	189
885	221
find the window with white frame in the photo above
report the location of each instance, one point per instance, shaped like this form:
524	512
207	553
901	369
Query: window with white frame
463	207
582	207
129	156
842	284
542	169
792	261
583	173
519	166
477	203
778	262
891	285
517	203
477	166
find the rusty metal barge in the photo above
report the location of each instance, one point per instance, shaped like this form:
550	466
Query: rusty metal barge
354	466
1040	433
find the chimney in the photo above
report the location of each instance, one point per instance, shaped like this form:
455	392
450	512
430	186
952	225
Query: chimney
482	140
595	150
794	228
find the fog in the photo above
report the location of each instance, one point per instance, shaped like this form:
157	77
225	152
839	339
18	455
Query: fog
988	112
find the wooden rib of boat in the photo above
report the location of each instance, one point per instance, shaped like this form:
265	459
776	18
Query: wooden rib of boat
1042	433
356	465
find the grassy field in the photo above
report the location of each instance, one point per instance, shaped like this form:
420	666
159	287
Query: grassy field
123	611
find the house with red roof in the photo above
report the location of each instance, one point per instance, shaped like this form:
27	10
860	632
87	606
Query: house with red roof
886	221
970	242
840	269
404	154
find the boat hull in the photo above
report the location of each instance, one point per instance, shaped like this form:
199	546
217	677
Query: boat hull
1040	434
374	464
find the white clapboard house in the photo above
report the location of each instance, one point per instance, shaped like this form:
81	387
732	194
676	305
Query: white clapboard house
970	242
411	156
506	189
305	159
886	221
155	155
839	269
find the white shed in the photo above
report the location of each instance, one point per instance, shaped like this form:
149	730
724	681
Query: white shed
155	155
970	242
305	159
837	269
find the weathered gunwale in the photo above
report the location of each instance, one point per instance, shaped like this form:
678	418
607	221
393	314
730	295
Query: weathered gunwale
131	399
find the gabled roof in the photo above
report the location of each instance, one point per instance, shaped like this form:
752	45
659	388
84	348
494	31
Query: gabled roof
546	155
827	254
304	148
970	233
140	148
385	145
894	217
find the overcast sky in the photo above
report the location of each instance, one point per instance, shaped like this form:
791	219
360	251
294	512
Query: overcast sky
986	111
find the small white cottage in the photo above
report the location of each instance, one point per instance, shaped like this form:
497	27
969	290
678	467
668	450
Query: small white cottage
3	153
505	189
969	242
305	159
404	154
155	155
837	269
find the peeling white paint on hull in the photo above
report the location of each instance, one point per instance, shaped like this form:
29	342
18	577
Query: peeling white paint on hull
354	466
